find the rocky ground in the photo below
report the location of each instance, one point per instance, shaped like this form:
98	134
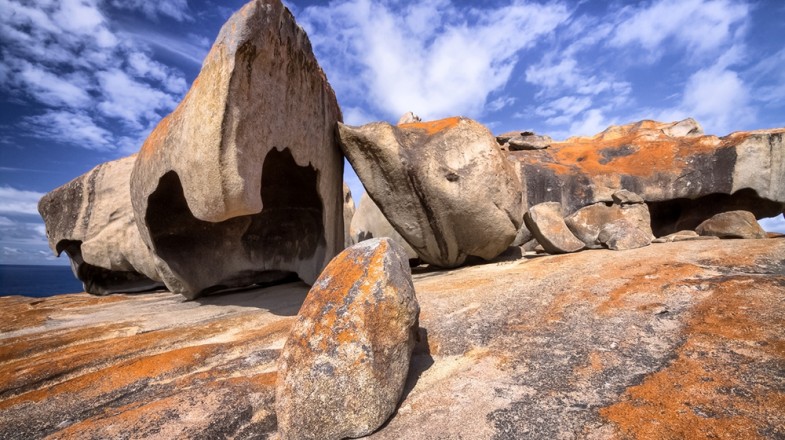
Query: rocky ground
674	340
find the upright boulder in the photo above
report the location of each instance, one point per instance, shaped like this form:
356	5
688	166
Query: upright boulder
444	185
369	222
732	224
91	219
342	370
241	183
685	177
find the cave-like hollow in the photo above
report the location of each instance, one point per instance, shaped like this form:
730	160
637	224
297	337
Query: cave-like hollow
263	248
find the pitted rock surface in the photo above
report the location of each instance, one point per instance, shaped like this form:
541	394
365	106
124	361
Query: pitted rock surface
444	185
343	368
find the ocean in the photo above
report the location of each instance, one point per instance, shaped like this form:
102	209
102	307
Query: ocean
37	281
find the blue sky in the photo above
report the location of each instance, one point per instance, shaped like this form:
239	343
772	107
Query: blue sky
84	81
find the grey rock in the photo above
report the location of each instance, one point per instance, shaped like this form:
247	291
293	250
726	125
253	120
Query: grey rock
546	223
624	197
344	365
732	224
369	222
685	235
523	140
587	222
444	186
622	235
241	183
348	215
409	118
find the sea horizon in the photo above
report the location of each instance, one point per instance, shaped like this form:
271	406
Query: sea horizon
38	280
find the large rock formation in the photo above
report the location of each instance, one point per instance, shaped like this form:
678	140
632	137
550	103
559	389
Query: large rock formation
241	183
91	219
348	215
444	185
343	368
684	176
369	222
676	340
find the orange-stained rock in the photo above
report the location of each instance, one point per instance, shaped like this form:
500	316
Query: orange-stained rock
241	183
684	176
343	368
546	223
444	185
732	224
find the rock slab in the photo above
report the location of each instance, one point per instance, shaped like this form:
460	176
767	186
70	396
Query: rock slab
546	223
444	185
344	365
732	224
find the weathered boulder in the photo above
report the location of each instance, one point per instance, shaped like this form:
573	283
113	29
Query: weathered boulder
622	235
91	219
732	224
684	176
546	223
444	186
343	368
369	222
408	118
523	140
587	223
241	183
685	235
348	215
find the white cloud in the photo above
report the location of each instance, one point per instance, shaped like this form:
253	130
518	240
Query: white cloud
52	89
16	201
702	26
176	9
75	128
435	59
773	224
132	101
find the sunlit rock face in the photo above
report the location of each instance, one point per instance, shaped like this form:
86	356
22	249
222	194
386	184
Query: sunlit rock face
369	222
684	176
241	183
91	219
444	185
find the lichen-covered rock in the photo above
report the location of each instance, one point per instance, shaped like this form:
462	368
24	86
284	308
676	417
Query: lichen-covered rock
444	185
343	368
732	224
546	223
91	219
684	176
348	215
369	222
587	223
241	183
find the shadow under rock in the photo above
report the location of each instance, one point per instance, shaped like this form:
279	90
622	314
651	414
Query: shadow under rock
279	299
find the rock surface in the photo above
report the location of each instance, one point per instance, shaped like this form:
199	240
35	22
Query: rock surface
732	224
587	223
369	222
684	176
344	365
241	183
523	140
682	236
546	223
91	219
444	186
622	235
678	340
348	215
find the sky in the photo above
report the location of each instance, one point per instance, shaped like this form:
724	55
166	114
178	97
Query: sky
85	81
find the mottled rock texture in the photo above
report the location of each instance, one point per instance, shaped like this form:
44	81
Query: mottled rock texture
344	365
684	176
369	222
241	183
546	223
348	215
675	341
444	185
732	224
587	222
523	140
91	219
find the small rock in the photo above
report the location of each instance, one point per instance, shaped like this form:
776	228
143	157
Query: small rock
408	118
546	223
622	235
523	140
682	236
624	197
732	224
344	365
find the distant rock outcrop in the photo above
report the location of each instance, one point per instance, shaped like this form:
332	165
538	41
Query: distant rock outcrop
683	176
523	140
369	222
444	185
91	219
241	183
348	215
343	368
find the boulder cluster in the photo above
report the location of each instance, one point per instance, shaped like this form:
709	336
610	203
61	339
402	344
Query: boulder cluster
241	185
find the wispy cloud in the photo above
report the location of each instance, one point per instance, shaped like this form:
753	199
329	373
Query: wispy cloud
433	58
16	201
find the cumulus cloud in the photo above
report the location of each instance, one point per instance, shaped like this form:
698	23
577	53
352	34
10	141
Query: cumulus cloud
16	201
435	58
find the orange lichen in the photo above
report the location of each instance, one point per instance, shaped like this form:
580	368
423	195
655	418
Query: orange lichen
705	393
433	127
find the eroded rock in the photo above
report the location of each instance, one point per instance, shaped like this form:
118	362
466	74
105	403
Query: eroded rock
241	183
408	118
523	140
369	222
546	223
684	176
348	215
343	368
622	235
588	222
444	186
91	219
732	224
